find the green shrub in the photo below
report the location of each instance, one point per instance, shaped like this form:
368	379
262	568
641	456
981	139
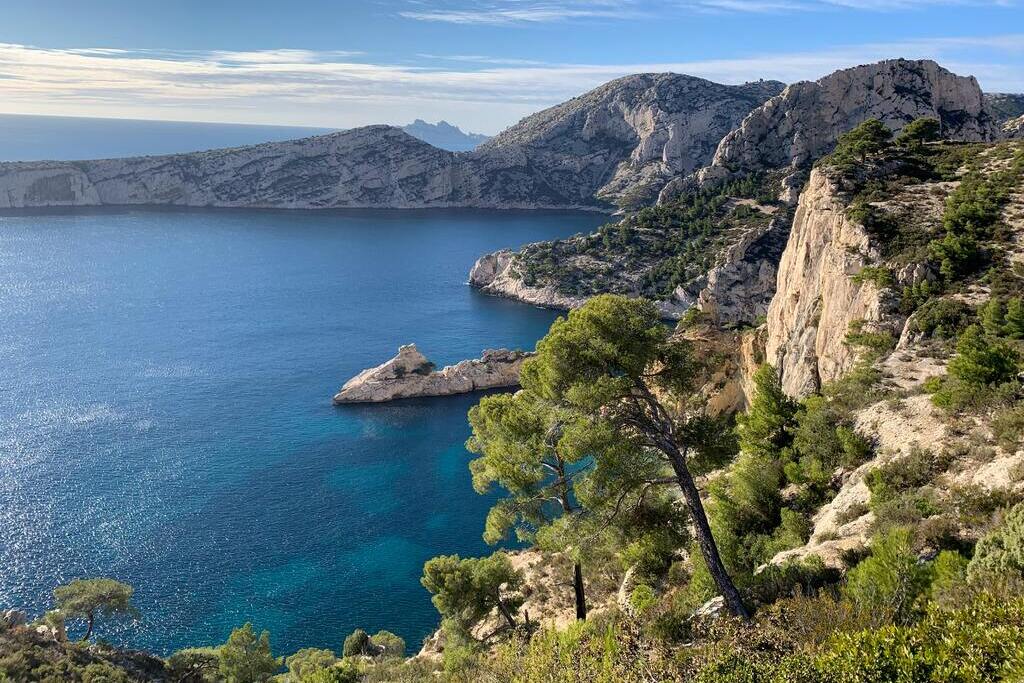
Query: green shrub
1001	552
918	131
1008	427
880	276
943	318
388	643
890	581
307	661
978	372
357	643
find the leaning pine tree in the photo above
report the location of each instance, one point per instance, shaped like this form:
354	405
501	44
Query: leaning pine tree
610	363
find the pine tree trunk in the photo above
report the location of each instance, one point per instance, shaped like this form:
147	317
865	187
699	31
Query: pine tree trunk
505	613
705	539
88	631
581	598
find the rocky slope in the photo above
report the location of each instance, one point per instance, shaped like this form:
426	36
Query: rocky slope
1005	106
798	126
820	299
623	140
409	374
620	137
777	141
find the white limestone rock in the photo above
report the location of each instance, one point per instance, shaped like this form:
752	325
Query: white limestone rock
410	375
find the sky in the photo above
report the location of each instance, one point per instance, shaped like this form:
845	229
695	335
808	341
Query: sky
481	65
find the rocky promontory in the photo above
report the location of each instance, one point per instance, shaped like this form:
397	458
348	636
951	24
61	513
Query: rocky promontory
411	375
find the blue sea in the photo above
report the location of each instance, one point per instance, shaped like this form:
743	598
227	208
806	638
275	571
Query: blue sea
66	138
166	418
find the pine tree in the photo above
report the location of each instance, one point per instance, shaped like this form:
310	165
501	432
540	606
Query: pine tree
992	317
1014	327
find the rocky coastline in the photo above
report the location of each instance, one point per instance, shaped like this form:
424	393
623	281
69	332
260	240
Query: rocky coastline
411	375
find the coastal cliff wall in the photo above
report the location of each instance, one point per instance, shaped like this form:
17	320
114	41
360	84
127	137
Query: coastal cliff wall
817	296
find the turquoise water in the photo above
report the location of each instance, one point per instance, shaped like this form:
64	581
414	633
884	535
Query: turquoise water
165	414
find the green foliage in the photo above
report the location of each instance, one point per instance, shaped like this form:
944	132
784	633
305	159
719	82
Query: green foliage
980	366
388	644
889	583
466	590
194	665
880	276
993	316
942	318
1001	551
979	643
957	255
1008	427
356	643
246	657
918	131
670	243
1014	328
855	146
764	429
875	344
823	439
642	598
308	661
88	598
949	574
343	673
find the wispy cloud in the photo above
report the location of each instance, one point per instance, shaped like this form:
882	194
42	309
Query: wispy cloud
341	89
524	12
505	12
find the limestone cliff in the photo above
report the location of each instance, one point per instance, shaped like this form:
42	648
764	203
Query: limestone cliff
410	375
817	296
621	139
736	275
793	129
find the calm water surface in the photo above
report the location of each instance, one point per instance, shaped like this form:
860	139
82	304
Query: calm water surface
165	415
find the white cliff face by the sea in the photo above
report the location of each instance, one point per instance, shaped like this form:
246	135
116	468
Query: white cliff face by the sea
579	155
409	375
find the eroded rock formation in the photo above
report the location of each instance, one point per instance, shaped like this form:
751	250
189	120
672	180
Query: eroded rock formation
409	374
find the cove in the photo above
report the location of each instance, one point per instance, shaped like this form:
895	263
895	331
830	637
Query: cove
166	418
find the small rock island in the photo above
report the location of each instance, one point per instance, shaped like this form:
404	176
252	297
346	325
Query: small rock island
410	375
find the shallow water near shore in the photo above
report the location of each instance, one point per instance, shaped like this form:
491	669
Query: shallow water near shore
166	418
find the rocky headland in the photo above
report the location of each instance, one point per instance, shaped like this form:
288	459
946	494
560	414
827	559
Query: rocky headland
618	142
752	184
410	375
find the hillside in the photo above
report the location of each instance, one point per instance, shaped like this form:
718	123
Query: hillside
618	143
716	235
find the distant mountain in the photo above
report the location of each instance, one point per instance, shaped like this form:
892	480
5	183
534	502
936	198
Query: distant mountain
444	135
618	143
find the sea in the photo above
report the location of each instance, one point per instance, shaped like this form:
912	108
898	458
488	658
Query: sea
166	420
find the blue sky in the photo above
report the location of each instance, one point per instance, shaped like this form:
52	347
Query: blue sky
482	65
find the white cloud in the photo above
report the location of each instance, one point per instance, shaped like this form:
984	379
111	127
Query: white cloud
341	89
524	12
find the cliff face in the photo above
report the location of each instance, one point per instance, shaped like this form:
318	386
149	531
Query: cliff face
817	297
802	124
377	166
623	140
778	140
611	142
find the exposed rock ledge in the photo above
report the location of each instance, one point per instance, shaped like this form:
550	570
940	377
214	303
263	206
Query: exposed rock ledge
495	274
410	374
